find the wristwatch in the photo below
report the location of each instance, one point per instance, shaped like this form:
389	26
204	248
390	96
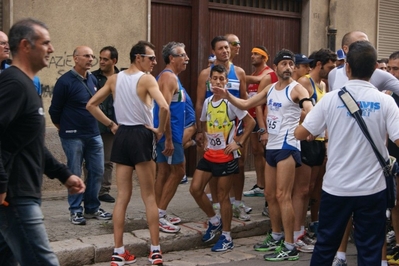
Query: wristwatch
239	144
262	131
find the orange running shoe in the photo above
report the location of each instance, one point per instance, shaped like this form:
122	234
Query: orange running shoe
122	259
156	257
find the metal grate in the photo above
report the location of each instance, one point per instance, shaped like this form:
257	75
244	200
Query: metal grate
279	5
388	21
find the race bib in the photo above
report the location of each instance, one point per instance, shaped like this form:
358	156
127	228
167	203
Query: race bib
273	124
216	141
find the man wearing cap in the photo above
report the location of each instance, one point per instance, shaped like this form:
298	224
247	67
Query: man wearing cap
284	100
302	66
340	58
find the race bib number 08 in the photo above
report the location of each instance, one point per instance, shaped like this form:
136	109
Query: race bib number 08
216	141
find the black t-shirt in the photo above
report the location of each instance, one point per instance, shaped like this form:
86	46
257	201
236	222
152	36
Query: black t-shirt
22	128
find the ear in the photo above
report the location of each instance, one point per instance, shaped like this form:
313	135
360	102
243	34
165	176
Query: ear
114	61
24	45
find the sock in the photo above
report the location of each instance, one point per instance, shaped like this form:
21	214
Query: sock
155	248
227	235
161	213
215	220
277	236
297	234
232	200
209	196
341	255
303	229
216	206
119	250
384	263
237	202
289	246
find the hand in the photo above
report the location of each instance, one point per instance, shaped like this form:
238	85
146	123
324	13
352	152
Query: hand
199	138
169	148
220	91
158	133
310	138
264	138
75	185
114	128
233	146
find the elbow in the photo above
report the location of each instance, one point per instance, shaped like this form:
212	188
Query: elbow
164	109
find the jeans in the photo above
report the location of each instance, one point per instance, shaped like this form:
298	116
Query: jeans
369	227
23	238
91	151
108	140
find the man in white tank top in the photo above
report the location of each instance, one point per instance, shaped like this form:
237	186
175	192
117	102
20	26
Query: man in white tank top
133	87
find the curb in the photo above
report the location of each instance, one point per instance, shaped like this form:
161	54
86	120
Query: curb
95	249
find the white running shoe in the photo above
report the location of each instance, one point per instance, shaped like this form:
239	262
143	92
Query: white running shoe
166	226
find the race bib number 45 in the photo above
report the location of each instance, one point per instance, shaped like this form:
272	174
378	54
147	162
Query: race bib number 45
216	141
273	124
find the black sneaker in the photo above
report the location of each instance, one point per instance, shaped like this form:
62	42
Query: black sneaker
392	252
282	253
77	218
107	198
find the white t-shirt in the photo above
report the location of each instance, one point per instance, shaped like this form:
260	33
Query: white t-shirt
352	167
382	80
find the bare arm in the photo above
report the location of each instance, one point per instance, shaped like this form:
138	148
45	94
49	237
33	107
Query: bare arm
264	84
302	133
95	101
258	99
255	79
201	91
243	85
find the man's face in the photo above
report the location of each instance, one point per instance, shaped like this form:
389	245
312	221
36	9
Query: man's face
257	59
234	44
222	51
148	61
382	66
218	79
302	69
84	57
393	67
106	63
180	59
40	53
284	69
340	62
4	47
325	69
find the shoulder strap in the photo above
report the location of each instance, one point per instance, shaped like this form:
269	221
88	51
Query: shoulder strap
356	113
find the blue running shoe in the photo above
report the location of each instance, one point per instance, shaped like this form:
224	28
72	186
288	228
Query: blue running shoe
211	231
222	245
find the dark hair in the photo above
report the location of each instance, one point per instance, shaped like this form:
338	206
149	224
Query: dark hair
170	49
382	60
139	48
112	50
24	29
362	58
216	40
220	69
394	56
263	49
283	54
323	56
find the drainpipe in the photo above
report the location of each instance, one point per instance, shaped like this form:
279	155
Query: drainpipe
332	30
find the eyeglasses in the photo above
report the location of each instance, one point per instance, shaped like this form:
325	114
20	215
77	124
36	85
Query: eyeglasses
3	43
235	43
151	57
87	55
179	55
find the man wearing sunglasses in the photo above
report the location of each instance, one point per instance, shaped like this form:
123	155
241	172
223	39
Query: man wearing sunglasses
234	44
170	149
79	134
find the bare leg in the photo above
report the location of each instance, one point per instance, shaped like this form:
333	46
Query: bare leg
300	194
171	183
200	179
259	160
270	195
224	186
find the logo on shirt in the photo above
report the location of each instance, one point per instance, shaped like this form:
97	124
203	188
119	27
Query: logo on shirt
367	107
274	106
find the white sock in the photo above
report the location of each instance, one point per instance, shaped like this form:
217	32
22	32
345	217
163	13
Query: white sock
297	234
237	202
232	200
155	248
341	255
303	229
227	235
277	236
209	196
161	213
289	246
384	263
215	220
119	250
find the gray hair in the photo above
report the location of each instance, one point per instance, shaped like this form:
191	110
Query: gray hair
170	49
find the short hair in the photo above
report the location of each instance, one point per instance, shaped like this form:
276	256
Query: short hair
220	69
362	59
348	38
383	60
112	50
216	40
139	48
323	56
394	56
24	29
170	49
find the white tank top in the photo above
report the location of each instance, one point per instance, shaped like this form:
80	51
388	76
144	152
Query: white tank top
282	118
129	109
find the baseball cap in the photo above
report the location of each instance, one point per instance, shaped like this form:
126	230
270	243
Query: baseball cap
302	59
341	55
285	55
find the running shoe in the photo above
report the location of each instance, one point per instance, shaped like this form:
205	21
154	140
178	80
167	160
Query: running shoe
155	257
167	227
99	215
223	244
122	259
282	253
303	247
246	208
339	262
211	231
239	212
268	244
77	218
265	211
392	252
172	220
390	237
255	191
184	180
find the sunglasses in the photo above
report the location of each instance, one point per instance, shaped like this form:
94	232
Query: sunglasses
179	55
151	57
235	43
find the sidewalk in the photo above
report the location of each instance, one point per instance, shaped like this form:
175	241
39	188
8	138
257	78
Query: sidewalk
93	243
